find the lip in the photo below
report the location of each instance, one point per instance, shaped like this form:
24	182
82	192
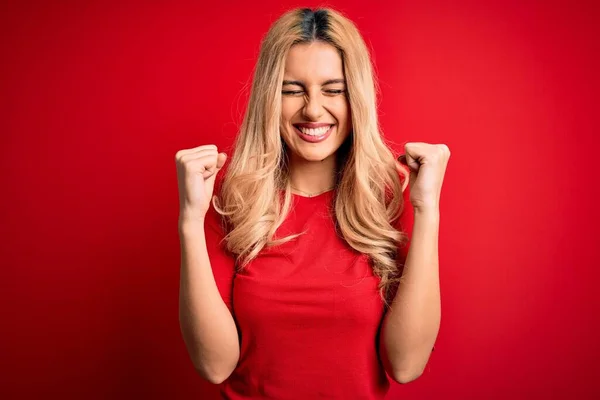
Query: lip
312	125
314	139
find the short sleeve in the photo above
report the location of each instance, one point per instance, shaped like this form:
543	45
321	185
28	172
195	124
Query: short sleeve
222	262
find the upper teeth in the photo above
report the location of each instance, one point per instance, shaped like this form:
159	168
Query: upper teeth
314	132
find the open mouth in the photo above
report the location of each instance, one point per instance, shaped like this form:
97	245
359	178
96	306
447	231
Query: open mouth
314	135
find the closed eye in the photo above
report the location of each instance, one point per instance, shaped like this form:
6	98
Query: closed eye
295	92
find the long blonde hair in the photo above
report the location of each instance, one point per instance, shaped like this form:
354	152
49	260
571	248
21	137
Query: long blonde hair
369	190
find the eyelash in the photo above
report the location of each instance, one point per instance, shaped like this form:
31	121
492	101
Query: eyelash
293	92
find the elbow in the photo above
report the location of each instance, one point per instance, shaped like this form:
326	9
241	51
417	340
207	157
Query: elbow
215	372
405	370
212	375
400	370
404	377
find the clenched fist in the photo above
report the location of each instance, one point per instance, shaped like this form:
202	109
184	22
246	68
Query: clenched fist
196	172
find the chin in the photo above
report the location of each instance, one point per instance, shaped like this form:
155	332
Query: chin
316	156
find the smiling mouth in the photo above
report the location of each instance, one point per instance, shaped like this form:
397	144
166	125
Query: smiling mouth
314	135
316	132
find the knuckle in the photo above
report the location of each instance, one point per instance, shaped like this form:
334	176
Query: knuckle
442	149
445	149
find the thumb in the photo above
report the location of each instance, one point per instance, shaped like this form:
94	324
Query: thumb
211	178
411	167
221	158
410	162
211	172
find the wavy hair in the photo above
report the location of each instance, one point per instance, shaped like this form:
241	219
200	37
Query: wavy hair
255	196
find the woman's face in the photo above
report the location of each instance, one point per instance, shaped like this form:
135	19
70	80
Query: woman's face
315	118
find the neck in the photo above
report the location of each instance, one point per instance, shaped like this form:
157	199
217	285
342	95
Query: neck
312	176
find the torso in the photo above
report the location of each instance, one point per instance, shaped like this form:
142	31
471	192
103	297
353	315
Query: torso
308	313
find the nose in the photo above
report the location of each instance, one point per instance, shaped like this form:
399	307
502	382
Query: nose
313	107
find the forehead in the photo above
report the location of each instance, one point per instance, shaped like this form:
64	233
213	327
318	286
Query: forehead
314	61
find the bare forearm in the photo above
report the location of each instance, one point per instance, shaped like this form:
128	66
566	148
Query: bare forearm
207	326
411	326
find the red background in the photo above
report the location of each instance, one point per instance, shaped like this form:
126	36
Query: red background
97	97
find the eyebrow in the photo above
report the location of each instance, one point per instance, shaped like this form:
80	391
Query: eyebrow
327	82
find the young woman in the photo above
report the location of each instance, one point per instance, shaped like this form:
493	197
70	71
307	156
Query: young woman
297	279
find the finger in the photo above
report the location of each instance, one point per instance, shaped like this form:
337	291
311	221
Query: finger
409	161
206	165
221	158
210	152
413	150
203	147
212	165
197	149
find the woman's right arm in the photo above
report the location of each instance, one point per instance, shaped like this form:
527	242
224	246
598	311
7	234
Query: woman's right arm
206	323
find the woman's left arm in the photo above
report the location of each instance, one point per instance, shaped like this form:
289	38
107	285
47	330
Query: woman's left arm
410	327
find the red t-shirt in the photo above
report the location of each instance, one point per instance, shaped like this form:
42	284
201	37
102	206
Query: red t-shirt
308	312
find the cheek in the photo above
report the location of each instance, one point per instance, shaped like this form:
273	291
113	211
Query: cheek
340	107
342	114
288	109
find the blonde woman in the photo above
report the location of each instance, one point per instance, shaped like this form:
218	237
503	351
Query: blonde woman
297	277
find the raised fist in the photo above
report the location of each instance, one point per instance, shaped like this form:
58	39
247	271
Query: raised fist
197	169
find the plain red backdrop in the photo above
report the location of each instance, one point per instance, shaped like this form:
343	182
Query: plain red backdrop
97	97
